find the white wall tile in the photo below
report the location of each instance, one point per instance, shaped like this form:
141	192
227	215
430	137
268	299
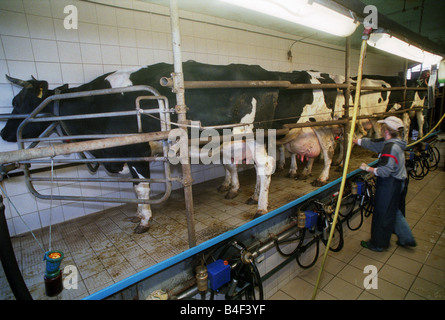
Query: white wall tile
144	39
12	5
6	96
108	35
145	57
21	70
129	56
49	71
41	27
106	16
142	21
69	52
3	70
45	50
17	48
26	222
127	37
88	12
72	73
63	34
125	19
88	33
51	216
38	7
91	53
111	55
73	210
24	203
13	24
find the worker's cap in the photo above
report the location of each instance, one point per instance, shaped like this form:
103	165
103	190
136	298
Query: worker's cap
392	122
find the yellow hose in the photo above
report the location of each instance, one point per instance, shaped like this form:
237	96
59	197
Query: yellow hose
348	155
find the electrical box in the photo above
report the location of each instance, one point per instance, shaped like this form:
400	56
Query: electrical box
311	218
219	273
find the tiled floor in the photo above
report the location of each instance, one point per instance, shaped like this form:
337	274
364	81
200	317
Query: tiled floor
402	273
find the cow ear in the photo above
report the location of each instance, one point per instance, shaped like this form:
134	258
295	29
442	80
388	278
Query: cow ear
41	89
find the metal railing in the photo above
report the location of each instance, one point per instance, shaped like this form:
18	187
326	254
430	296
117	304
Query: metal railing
29	155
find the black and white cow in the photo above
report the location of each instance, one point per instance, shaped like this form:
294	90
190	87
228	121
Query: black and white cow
311	105
209	106
372	102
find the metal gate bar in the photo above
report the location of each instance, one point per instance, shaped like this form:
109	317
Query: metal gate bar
106	141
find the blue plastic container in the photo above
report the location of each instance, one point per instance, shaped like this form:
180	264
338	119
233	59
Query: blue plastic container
360	187
219	274
53	264
311	218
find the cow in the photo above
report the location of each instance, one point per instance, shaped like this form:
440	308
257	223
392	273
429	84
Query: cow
212	107
372	102
310	105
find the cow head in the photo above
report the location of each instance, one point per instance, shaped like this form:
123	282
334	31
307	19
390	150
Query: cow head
32	94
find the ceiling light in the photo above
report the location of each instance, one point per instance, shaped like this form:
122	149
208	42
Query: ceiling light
391	44
305	12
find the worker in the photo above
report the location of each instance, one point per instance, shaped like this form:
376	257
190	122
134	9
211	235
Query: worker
391	176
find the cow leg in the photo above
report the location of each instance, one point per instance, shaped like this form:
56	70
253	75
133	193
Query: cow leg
407	123
225	186
265	166
282	160
234	186
327	143
144	210
420	122
254	198
142	191
263	197
293	166
307	170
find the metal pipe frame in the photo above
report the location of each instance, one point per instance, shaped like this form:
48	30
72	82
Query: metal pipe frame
105	141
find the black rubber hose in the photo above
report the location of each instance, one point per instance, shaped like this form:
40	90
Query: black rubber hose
9	262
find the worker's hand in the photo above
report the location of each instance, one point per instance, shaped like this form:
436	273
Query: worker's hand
355	141
364	167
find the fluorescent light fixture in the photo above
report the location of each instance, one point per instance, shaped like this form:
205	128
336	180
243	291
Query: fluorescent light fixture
388	43
305	12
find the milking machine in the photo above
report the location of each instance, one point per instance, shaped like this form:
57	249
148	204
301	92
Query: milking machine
422	158
230	271
360	198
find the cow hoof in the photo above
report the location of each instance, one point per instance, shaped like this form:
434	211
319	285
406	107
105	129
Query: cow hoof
259	213
279	168
223	188
291	175
251	201
231	195
135	219
141	229
318	183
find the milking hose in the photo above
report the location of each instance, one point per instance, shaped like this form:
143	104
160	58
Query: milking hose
348	154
